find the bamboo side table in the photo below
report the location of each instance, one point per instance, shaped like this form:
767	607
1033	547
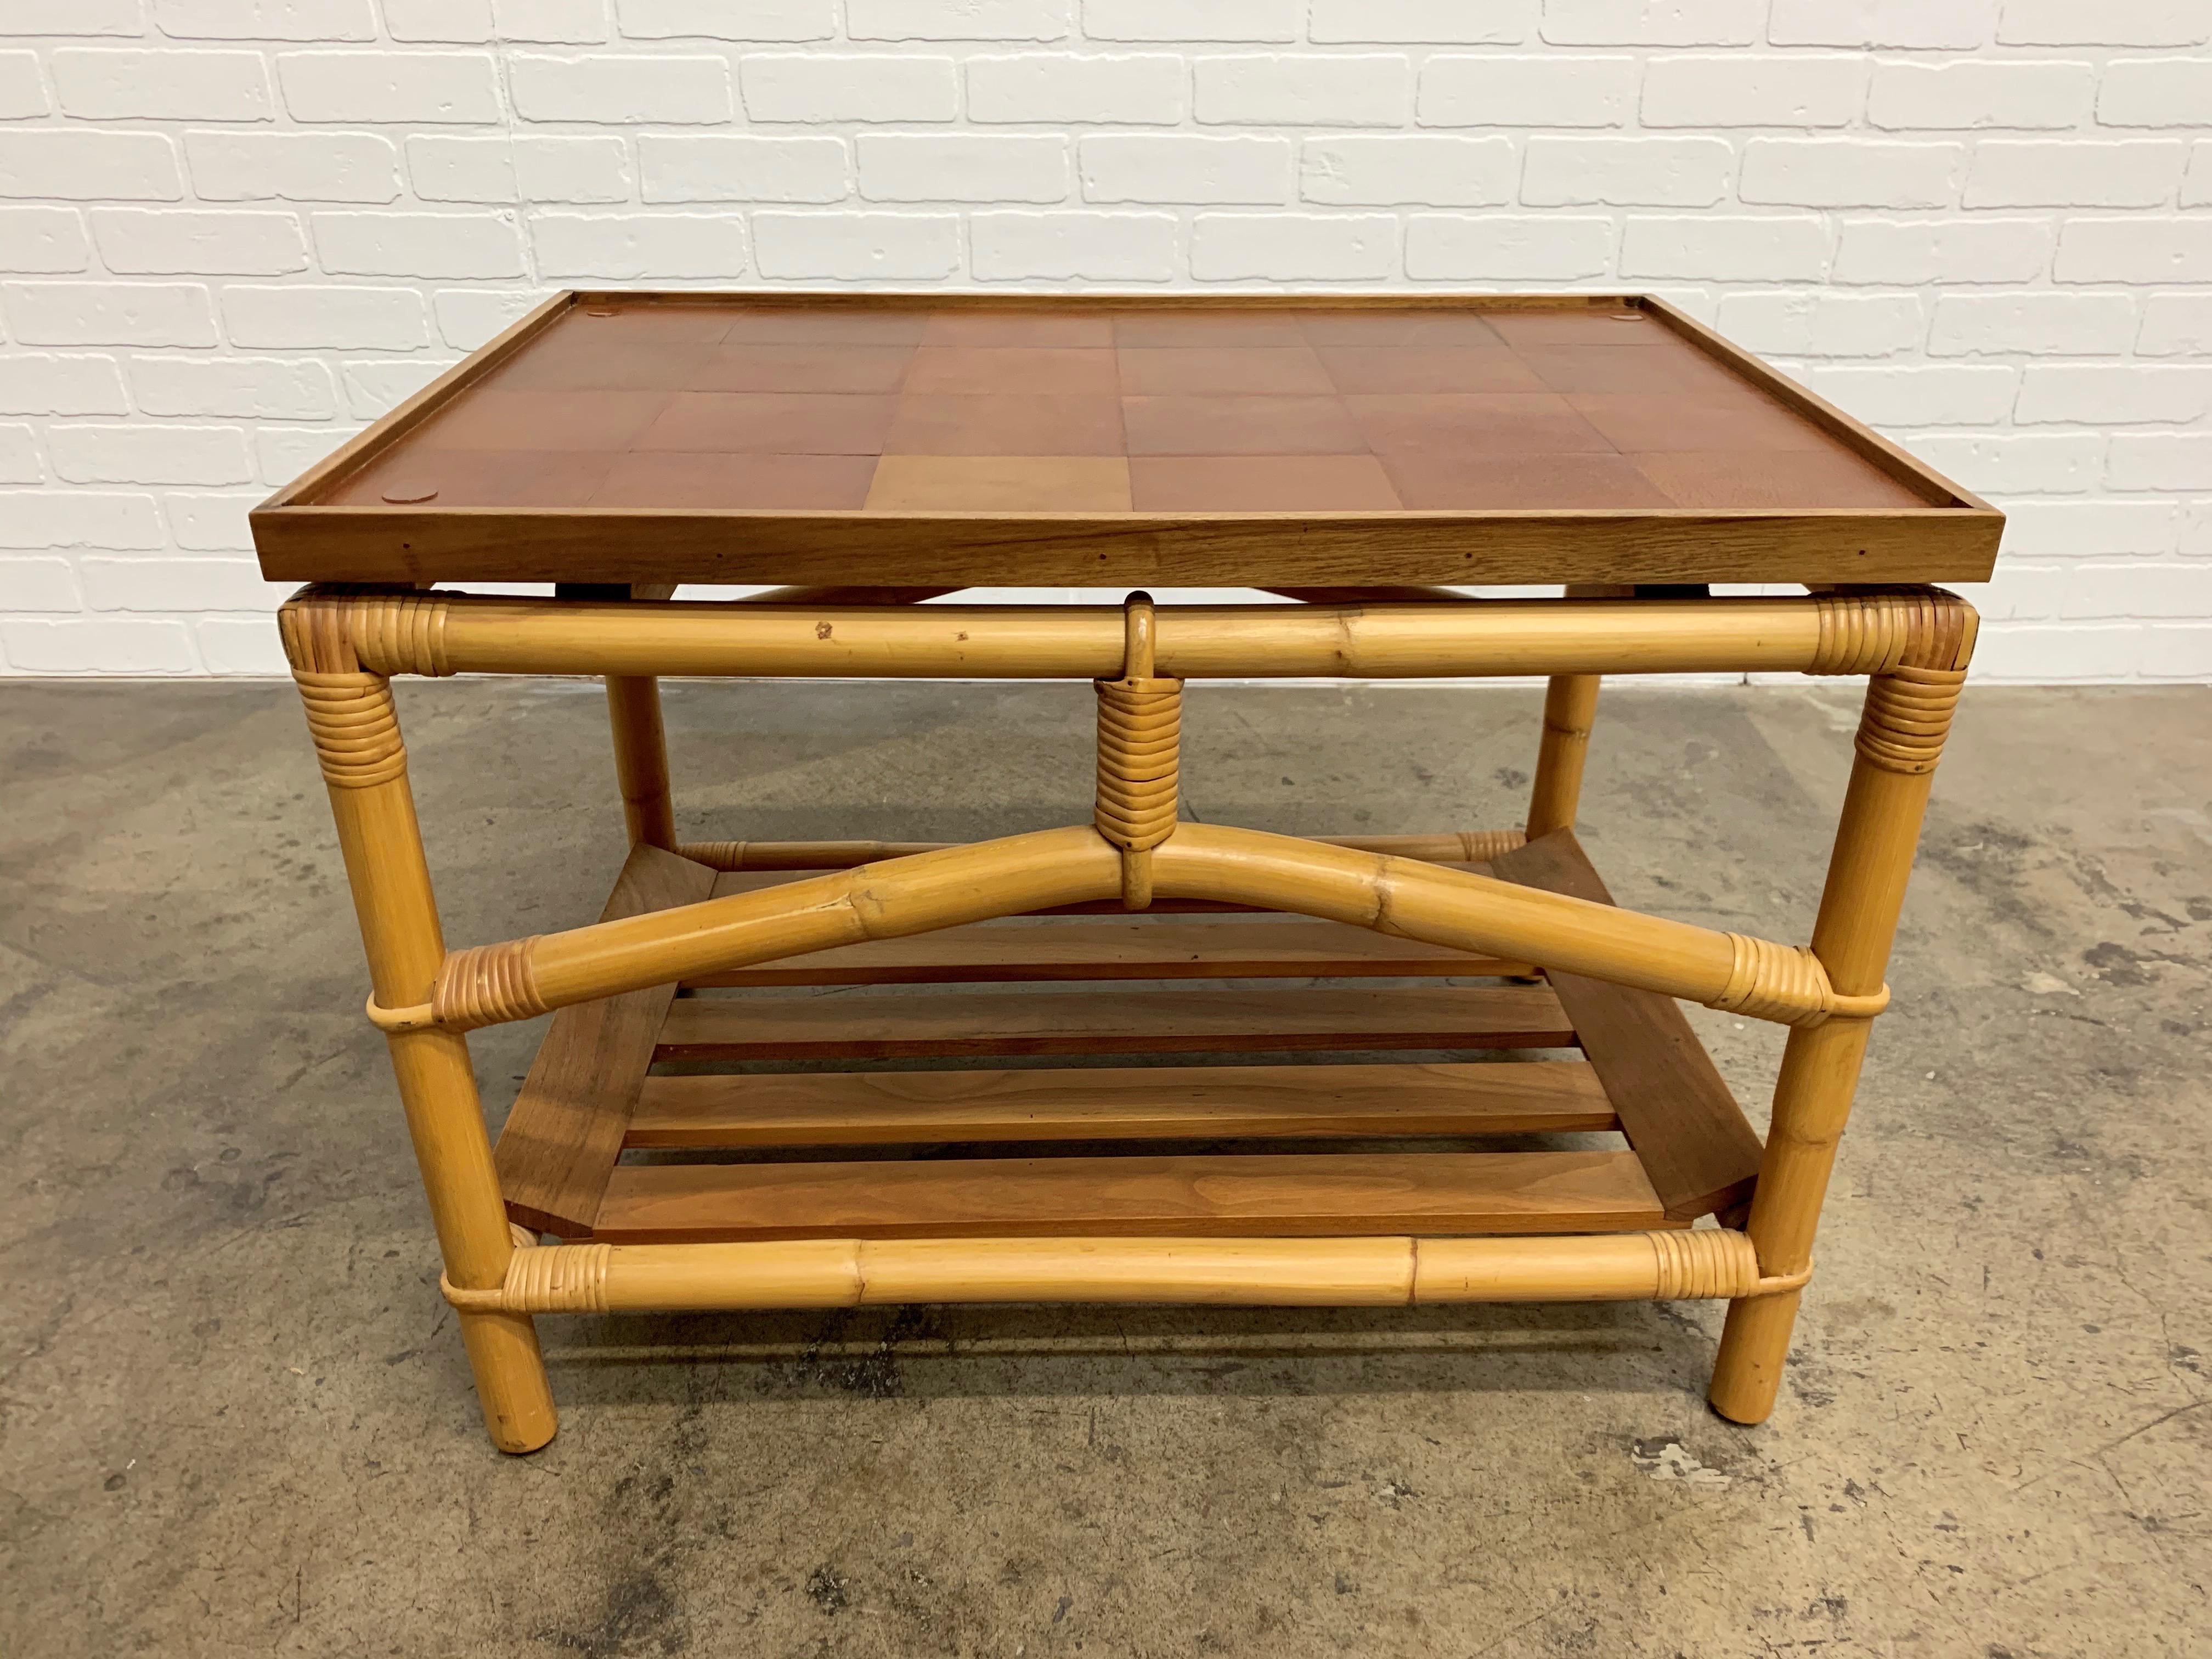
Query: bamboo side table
1346	453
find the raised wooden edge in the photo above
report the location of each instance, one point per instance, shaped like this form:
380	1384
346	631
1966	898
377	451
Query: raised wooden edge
843	1108
561	1138
1242	1193
1676	1110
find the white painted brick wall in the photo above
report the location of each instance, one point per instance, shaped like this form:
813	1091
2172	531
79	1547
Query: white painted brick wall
232	231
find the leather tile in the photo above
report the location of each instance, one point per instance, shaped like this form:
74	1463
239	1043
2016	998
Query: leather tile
1427	369
1553	483
1442	424
1803	478
1635	421
1016	328
1199	327
1260	484
575	362
491	418
684	478
816	367
1239	426
475	477
1383	327
824	326
1012	424
1000	483
772	423
1198	371
1592	326
1047	371
634	323
1614	368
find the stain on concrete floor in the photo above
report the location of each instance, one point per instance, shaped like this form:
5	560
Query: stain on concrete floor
234	1417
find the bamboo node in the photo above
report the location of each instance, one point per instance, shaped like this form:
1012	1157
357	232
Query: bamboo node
1703	1262
1877	632
1907	717
1787	983
487	985
355	727
399	633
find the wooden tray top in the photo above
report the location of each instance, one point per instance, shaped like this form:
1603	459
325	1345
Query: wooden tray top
964	440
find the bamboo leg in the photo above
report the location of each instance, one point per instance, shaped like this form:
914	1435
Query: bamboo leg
1569	711
641	759
350	716
1900	738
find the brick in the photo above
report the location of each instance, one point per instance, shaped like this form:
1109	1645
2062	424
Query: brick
101	83
718	20
1303	91
1738	247
455	169
1551	247
1527	91
79	165
416	245
149	454
1653	23
1951	394
631	247
98	646
266	388
1946	251
38	585
266	19
1184	167
282	453
73	17
1817	324
2008	463
675	91
47	385
1073	247
529	169
2114	394
1625	172
2014	93
956	20
1417	169
326	317
2043	653
212	522
2088	530
376	388
19	456
824	87
109	313
536	22
164	241
1287	246
42	520
1953	24
21	92
467	316
1753	92
740	167
1422	22
241	645
422	87
292	166
2072	173
1851	173
962	168
2038	324
2197	183
2176	325
2143	250
1179	20
1053	89
856	246
2107	23
467	23
174	584
2160	460
2181	651
42	239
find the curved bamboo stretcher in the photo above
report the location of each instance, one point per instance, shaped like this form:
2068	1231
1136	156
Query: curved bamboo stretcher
1912	644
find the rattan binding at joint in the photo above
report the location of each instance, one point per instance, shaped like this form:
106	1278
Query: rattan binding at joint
1480	845
487	985
1786	983
1908	716
399	633
355	727
1140	735
1703	1262
542	1279
1879	631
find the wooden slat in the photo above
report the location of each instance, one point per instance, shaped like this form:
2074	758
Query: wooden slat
826	1108
1086	948
1193	1019
566	1130
1251	1194
1676	1111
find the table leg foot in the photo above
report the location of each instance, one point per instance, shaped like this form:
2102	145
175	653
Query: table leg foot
1754	1345
511	1385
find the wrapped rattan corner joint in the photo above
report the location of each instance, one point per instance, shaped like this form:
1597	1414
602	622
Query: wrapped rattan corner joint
1140	735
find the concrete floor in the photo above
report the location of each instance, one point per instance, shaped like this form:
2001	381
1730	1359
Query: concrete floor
234	1417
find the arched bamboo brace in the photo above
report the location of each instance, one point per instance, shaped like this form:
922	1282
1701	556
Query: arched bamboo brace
1390	1271
1446	847
1826	634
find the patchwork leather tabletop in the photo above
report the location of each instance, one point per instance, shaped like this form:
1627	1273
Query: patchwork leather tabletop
750	403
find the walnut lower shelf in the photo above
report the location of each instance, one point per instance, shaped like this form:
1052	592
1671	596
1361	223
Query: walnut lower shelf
969	1153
